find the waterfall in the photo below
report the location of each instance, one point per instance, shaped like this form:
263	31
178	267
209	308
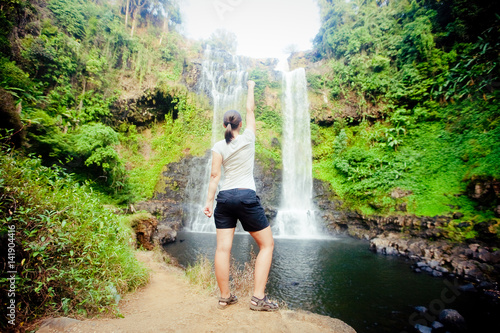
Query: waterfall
296	215
223	80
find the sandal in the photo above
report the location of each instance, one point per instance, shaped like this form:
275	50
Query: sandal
229	301
263	304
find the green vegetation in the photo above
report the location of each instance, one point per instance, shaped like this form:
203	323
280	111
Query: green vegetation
269	119
71	72
412	86
92	100
72	255
167	142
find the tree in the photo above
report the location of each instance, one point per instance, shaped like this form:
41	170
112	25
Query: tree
224	40
136	7
291	48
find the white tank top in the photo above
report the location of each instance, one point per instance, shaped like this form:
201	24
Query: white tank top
237	161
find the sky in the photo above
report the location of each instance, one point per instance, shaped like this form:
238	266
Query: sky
264	28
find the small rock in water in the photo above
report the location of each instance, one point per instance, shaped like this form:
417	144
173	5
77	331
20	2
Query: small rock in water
427	269
423	329
452	320
469	287
295	283
433	263
437	273
485	285
436	325
442	269
421	309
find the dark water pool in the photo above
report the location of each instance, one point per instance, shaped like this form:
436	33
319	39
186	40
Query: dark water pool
343	279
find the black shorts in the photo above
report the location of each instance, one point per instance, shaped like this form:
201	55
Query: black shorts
239	204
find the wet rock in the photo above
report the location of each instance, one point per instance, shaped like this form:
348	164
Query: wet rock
439	328
442	269
482	255
436	325
421	309
485	285
469	287
427	269
474	247
495	257
423	329
165	234
452	320
437	273
433	263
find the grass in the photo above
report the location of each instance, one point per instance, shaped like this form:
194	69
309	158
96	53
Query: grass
202	274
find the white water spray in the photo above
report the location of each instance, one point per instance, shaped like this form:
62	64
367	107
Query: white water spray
296	216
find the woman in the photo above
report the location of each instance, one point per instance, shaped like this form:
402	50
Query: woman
237	200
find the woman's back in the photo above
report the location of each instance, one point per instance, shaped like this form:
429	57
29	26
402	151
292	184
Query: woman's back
238	161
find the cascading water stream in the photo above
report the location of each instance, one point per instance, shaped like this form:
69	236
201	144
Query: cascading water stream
296	216
223	80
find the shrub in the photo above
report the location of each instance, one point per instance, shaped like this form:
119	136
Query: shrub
72	255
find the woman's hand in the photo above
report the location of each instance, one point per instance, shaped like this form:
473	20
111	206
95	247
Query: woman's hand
250	84
208	210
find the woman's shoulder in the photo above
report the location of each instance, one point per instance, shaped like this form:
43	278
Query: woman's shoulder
219	146
249	133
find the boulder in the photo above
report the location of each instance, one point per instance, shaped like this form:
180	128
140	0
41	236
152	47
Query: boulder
165	235
452	320
145	226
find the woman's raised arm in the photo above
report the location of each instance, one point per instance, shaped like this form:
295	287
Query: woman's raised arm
250	118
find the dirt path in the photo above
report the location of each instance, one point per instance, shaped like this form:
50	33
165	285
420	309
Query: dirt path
170	304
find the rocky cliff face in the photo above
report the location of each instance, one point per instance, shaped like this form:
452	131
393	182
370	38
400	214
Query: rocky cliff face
419	238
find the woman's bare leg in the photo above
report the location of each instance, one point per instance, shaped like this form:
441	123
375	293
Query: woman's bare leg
265	241
222	260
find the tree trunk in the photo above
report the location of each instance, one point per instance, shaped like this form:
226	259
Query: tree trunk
133	23
126	13
165	28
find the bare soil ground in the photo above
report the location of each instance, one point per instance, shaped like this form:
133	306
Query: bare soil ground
169	303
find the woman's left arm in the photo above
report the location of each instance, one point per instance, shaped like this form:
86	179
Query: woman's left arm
215	175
